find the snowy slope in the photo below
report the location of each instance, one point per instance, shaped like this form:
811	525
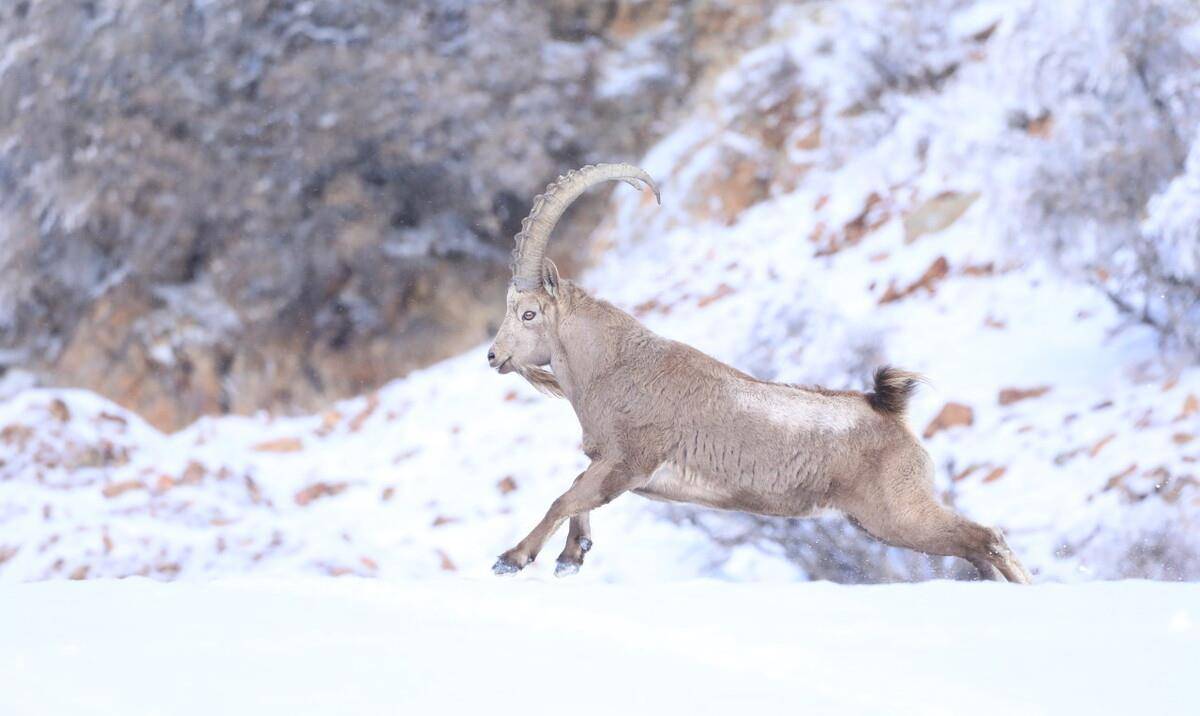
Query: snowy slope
812	229
312	646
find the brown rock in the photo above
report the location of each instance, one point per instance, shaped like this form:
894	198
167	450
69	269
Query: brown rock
936	214
59	410
1041	127
1099	445
506	485
986	269
1119	478
294	243
357	421
16	434
937	271
280	445
1191	406
113	418
958	477
318	490
1008	396
192	474
329	422
722	196
952	415
116	489
252	489
875	213
722	291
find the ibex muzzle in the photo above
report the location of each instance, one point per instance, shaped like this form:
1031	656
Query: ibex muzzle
665	421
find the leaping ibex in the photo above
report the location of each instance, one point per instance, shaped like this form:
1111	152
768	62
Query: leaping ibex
663	420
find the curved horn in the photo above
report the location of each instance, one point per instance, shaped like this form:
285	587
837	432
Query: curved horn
549	206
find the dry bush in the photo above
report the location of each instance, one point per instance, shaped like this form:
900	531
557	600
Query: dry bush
1108	192
1164	555
228	205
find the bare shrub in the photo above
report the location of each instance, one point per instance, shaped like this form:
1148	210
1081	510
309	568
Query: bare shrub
1162	554
1103	194
1154	553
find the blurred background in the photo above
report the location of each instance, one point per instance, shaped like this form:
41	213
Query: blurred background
251	252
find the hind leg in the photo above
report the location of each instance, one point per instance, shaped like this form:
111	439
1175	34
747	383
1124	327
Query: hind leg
987	571
933	529
1001	555
898	507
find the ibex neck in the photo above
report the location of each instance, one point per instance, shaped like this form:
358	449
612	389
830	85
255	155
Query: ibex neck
590	337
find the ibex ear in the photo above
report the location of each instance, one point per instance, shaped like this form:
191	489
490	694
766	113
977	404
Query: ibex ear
550	277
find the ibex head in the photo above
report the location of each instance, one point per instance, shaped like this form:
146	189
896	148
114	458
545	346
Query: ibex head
525	337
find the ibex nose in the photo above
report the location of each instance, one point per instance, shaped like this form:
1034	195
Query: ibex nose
491	356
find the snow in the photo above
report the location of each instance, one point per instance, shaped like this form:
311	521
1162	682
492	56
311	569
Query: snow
408	493
318	646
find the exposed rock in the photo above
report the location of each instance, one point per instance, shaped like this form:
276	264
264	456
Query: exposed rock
223	206
117	489
936	214
938	270
1008	396
281	445
952	415
318	490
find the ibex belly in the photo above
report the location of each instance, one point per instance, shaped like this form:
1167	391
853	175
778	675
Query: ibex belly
673	483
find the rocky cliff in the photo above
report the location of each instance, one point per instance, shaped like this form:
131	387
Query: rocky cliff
221	206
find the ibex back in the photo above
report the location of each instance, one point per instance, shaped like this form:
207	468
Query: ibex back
665	421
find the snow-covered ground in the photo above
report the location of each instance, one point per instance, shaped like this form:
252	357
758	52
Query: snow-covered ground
320	646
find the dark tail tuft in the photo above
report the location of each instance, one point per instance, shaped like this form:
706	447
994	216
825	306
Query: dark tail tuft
893	388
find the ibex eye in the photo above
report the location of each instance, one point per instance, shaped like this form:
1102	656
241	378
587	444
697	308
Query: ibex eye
527	316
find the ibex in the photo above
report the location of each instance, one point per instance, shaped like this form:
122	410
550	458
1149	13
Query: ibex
665	421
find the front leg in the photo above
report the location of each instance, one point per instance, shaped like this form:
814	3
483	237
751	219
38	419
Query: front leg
579	541
599	484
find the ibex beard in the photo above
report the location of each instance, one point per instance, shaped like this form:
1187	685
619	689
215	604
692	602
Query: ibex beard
665	421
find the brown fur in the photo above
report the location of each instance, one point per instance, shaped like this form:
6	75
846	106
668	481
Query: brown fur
665	421
668	422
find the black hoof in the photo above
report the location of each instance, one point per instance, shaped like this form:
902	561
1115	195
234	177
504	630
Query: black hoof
565	569
585	544
503	566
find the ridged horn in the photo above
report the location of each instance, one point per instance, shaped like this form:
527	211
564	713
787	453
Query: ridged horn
548	208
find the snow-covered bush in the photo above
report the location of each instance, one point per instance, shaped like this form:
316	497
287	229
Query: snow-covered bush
1169	245
1109	95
